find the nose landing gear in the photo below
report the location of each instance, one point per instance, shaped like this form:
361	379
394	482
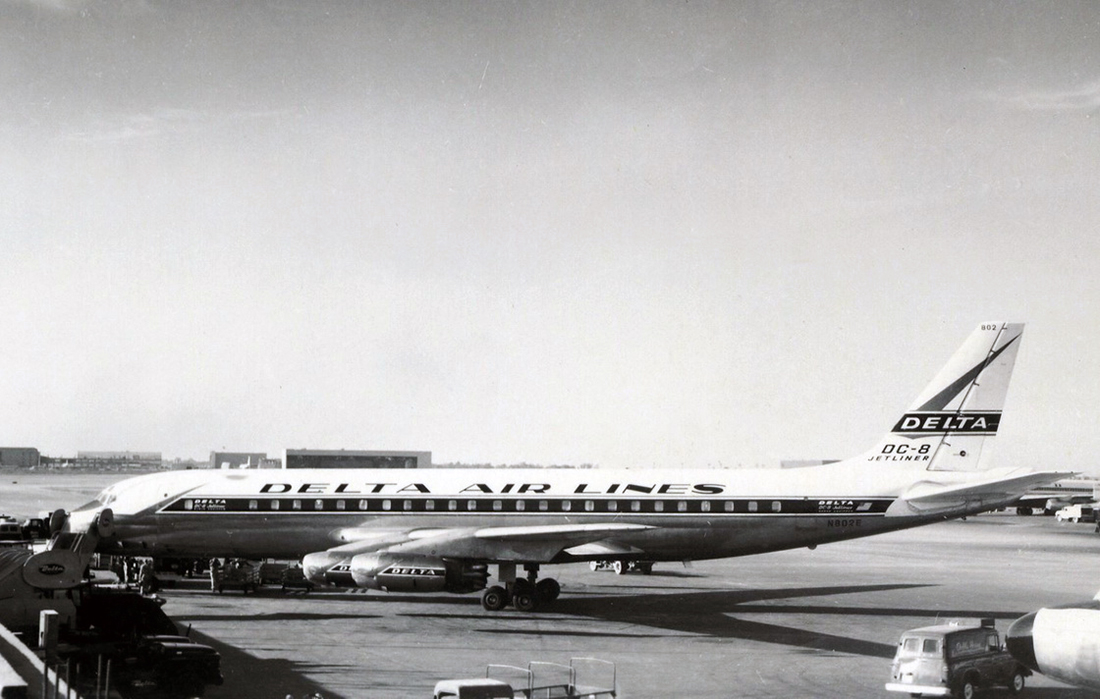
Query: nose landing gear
524	594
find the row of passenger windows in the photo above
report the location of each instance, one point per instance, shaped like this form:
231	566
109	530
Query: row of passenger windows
485	505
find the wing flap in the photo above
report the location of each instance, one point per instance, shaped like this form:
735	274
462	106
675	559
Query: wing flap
533	544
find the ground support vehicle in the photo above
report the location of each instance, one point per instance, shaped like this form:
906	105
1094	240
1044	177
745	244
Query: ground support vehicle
620	567
582	678
234	575
1074	513
954	660
294	578
146	654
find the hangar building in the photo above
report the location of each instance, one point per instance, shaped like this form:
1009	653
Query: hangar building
342	458
19	456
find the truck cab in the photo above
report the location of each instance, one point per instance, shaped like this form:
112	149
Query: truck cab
954	660
1074	513
477	688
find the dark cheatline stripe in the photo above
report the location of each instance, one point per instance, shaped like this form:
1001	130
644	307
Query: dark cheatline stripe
941	399
453	505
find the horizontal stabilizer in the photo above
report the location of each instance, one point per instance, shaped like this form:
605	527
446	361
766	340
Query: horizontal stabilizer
989	493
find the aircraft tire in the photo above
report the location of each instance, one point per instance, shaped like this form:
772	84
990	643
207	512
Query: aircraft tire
619	567
1017	684
524	601
548	589
494	599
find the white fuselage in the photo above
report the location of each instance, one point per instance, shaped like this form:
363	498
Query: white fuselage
689	514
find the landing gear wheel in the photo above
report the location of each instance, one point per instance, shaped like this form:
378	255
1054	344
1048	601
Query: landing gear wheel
494	599
548	589
618	567
1017	684
594	565
524	601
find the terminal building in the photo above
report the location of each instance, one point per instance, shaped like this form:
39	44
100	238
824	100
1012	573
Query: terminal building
116	459
341	458
241	459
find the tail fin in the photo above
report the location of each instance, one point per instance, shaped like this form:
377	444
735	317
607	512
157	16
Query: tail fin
951	425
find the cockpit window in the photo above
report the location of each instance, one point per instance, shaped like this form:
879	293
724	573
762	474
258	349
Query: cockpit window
105	498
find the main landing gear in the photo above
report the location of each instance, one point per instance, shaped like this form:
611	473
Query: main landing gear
525	594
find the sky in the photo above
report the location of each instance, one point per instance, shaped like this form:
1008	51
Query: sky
622	234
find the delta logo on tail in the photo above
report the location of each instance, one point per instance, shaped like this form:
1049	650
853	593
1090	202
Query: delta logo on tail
933	417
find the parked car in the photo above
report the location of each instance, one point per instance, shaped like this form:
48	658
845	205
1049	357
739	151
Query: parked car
954	660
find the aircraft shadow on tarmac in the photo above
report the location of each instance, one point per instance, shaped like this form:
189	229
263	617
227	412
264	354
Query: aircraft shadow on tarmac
710	613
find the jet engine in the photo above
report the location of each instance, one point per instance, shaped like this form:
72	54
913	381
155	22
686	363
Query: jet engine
402	572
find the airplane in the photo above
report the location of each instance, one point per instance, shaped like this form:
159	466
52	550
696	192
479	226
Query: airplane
439	530
1061	642
1051	498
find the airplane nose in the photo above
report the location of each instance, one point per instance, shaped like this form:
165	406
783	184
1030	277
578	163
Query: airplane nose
1020	642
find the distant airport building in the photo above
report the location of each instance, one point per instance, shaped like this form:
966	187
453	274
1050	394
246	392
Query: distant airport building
97	459
238	459
19	456
341	458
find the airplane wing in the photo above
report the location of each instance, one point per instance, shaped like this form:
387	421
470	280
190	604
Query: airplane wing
929	496
530	544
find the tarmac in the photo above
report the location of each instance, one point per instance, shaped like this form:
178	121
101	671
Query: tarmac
802	623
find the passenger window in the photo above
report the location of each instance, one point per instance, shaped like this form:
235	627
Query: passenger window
635	506
452	505
681	506
520	505
728	507
931	645
429	504
544	505
704	506
364	504
341	505
407	505
318	504
497	505
385	504
296	505
776	506
253	504
752	506
566	505
471	505
612	505
659	506
274	504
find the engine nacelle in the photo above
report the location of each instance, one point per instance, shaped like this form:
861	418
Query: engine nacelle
402	572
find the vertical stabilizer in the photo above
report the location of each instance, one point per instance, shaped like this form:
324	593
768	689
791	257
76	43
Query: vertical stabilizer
951	425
